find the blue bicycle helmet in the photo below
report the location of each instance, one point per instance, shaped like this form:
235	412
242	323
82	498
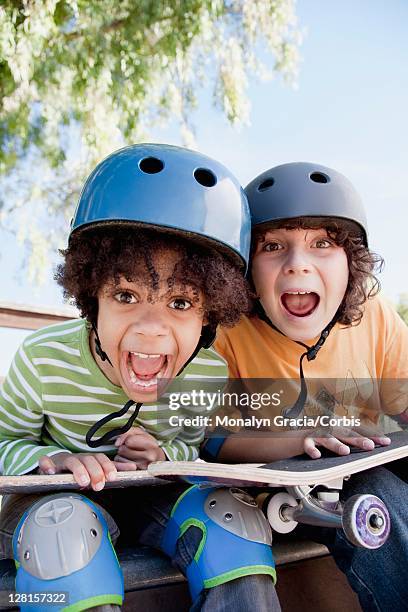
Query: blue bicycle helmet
170	189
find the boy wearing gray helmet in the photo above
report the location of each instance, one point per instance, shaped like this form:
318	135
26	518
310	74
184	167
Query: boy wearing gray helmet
317	322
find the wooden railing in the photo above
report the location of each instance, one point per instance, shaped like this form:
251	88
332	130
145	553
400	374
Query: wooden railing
22	316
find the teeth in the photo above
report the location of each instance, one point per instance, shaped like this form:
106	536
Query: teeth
148	383
145	355
298	292
145	383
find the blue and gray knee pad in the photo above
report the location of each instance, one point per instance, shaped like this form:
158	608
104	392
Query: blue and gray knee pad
62	545
236	537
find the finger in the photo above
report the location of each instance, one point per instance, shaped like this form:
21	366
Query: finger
107	466
46	465
95	471
358	441
361	442
382	440
310	449
132	431
123	451
74	464
124	465
334	445
139	442
370	430
148	454
143	464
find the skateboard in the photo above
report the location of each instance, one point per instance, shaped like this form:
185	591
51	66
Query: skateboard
312	489
311	496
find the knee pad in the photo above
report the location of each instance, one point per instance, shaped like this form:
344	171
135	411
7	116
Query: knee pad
236	537
62	545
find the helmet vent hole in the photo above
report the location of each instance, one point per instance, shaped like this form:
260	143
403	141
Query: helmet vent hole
205	177
266	184
151	165
319	177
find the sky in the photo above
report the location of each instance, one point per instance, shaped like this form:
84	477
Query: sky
348	112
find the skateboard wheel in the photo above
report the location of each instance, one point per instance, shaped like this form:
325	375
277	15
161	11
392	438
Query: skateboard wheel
275	512
366	521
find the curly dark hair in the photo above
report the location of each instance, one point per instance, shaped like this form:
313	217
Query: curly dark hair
363	263
101	255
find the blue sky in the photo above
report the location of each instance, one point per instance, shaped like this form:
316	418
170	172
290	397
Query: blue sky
348	112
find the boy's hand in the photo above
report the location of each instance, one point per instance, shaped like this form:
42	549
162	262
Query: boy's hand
139	448
92	469
340	440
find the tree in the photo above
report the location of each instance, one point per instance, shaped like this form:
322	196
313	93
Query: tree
79	78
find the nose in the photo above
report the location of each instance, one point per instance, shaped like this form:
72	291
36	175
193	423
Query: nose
297	261
150	323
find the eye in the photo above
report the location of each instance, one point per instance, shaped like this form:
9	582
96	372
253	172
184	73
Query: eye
272	246
322	243
125	297
180	304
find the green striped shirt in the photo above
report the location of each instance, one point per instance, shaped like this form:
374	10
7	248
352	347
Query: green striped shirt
55	391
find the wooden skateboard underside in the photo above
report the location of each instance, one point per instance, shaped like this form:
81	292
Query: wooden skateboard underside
34	483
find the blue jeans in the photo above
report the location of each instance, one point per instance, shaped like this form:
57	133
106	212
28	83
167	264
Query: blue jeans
379	577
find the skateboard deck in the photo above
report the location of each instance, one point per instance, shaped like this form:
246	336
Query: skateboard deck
34	483
301	470
296	471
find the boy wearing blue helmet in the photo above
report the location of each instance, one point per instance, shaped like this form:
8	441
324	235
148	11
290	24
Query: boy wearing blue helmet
154	263
318	324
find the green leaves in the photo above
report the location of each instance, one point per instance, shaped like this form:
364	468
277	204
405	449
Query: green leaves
402	307
110	70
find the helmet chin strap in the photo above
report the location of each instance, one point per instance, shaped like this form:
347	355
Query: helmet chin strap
98	346
207	337
109	436
311	353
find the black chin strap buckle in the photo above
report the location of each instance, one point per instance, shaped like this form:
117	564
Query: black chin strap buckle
296	410
313	350
98	347
207	338
311	353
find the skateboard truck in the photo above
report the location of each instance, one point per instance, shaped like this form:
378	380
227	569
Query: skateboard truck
364	518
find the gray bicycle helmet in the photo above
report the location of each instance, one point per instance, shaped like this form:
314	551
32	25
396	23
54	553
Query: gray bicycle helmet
304	189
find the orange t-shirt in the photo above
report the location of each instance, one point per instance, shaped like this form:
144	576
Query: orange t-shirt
362	368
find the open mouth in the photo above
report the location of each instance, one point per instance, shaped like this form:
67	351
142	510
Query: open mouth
300	303
144	370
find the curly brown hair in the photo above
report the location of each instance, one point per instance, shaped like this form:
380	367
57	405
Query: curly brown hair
103	254
362	263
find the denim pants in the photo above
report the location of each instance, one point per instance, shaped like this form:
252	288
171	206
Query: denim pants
379	577
139	516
